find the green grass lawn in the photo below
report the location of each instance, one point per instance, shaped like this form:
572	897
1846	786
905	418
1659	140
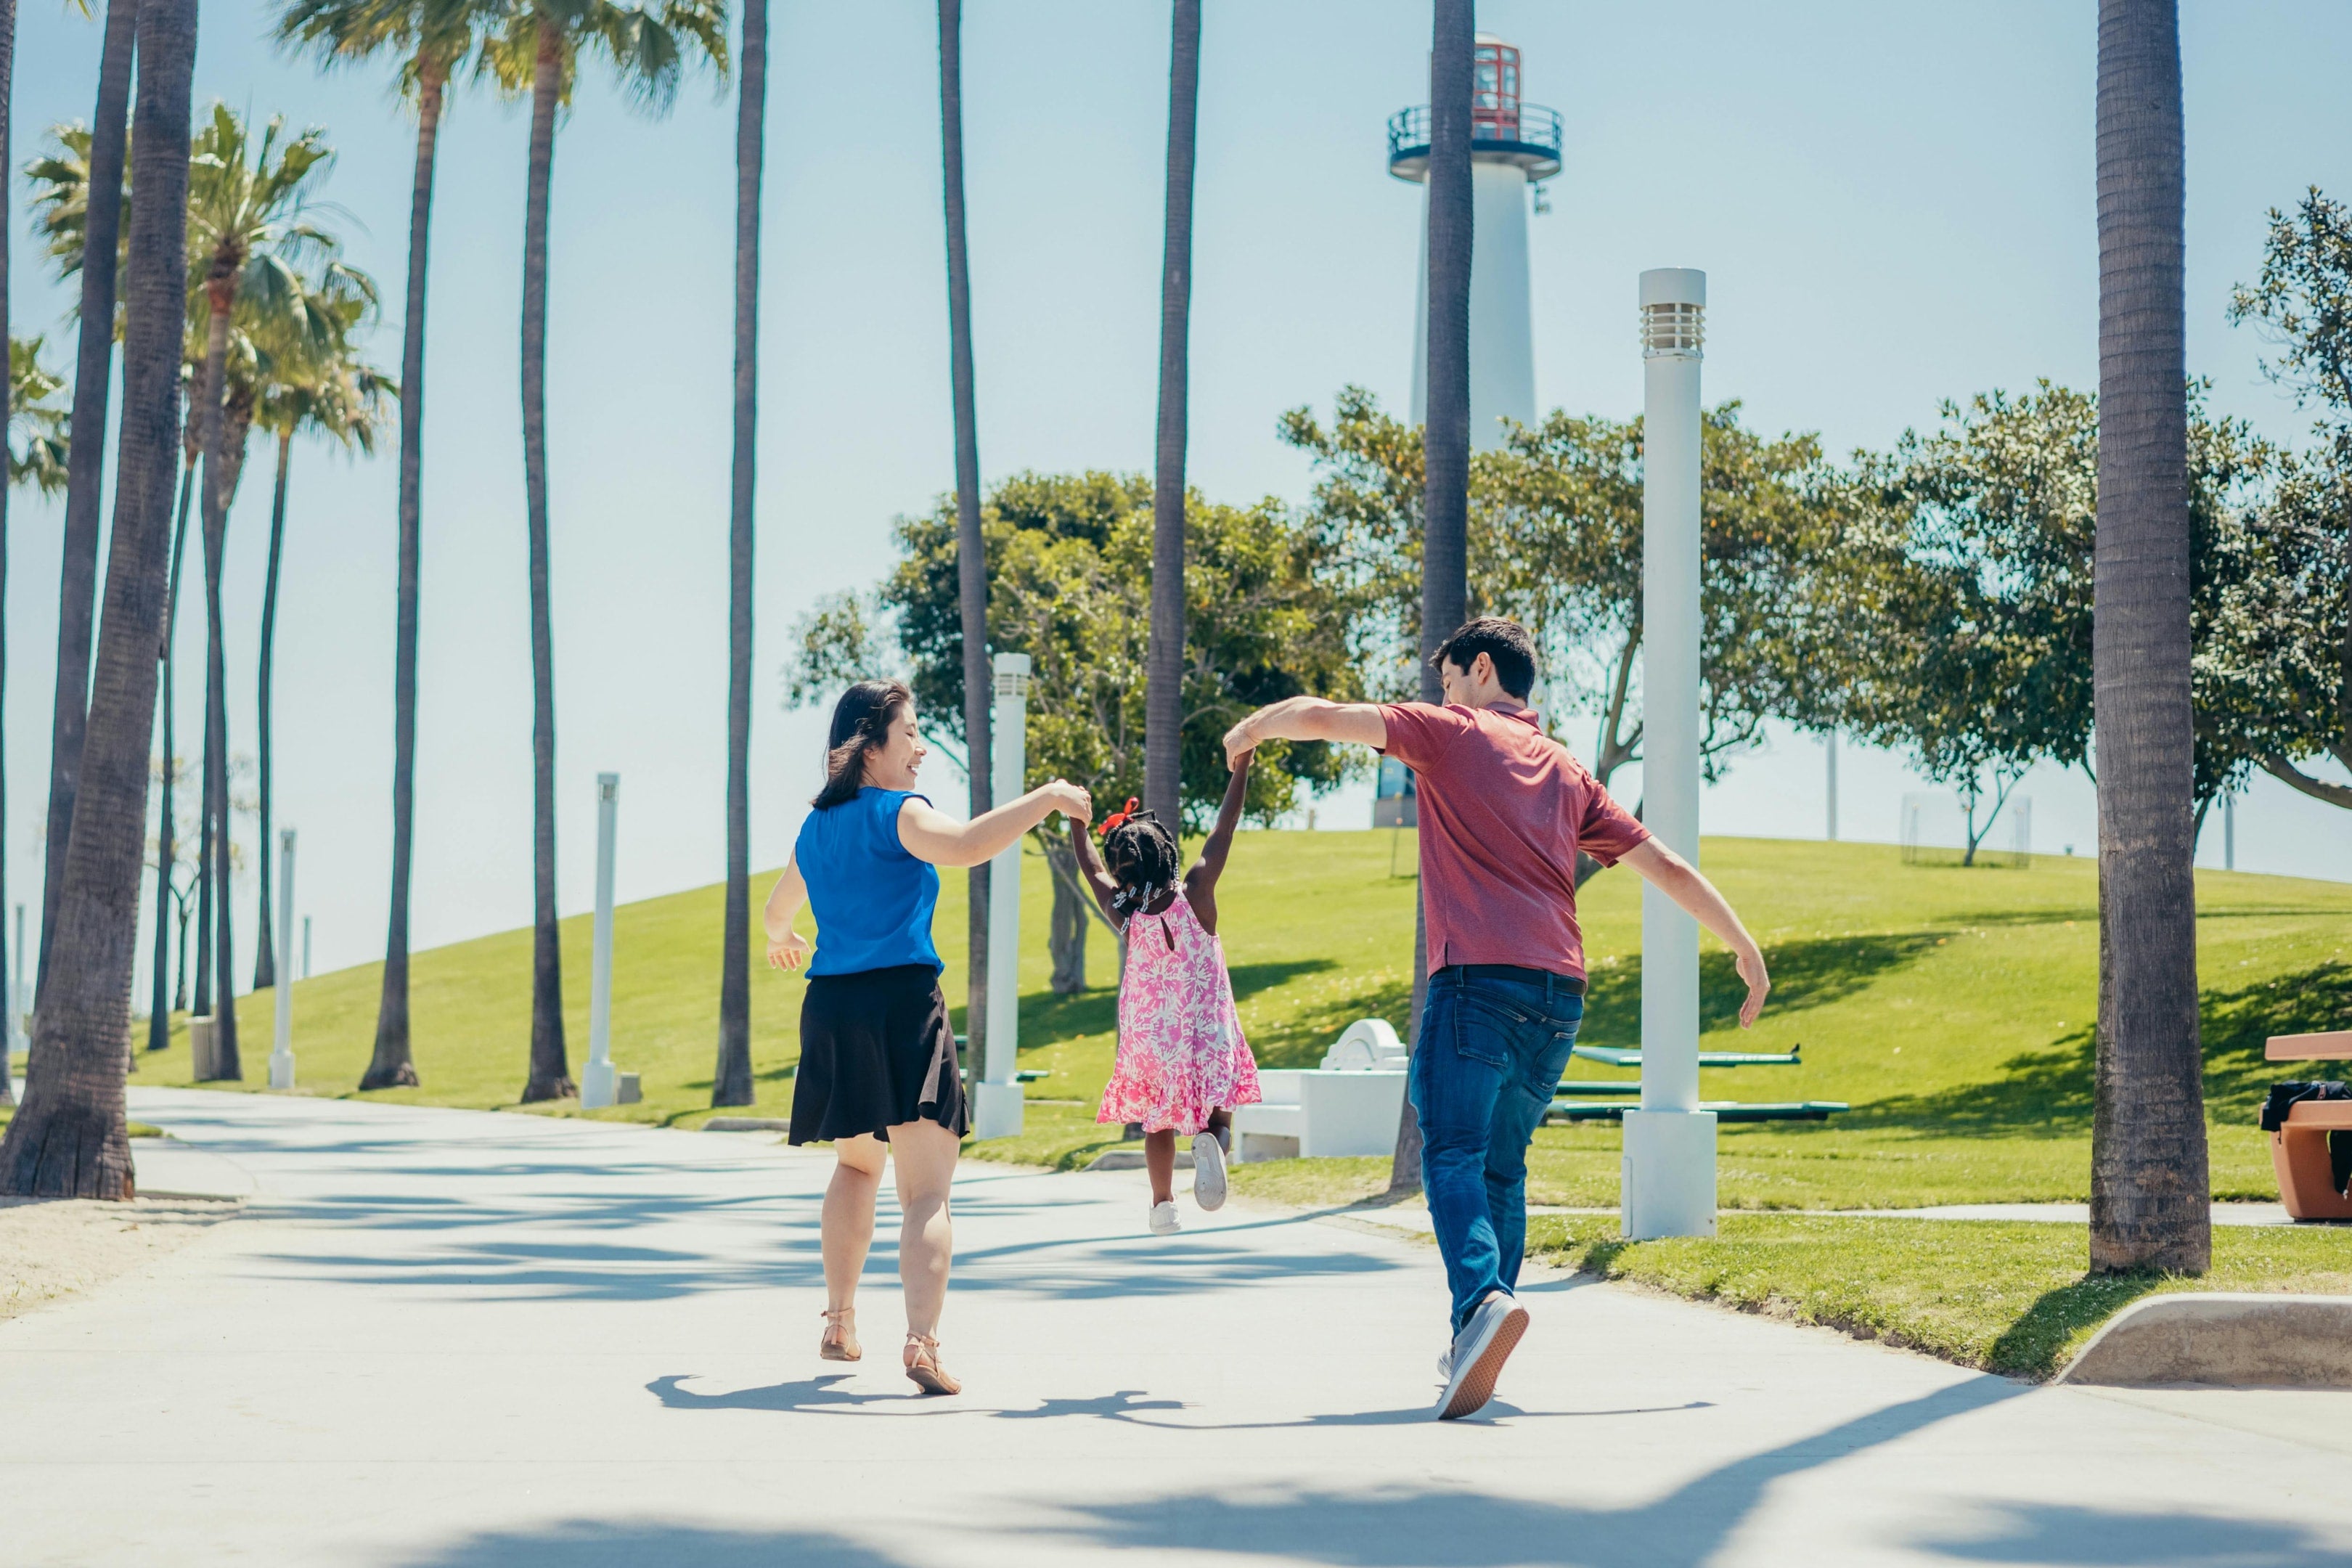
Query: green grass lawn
2008	1297
1951	1007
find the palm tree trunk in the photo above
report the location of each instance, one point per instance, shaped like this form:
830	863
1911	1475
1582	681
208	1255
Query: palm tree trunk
393	1064
1446	499
203	1006
7	96
2149	1186
265	966
70	1137
159	1008
551	1073
86	458
213	493
971	548
1163	696
730	1081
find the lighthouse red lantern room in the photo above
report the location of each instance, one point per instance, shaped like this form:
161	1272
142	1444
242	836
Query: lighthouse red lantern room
1494	100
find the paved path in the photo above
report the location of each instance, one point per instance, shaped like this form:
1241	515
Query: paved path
453	1339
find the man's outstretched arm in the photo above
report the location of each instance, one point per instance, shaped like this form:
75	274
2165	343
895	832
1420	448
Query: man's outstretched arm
1681	881
1307	718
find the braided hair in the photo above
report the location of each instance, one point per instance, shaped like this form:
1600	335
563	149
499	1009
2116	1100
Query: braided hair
1140	855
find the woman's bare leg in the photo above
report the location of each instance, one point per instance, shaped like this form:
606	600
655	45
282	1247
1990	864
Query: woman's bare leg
1159	1159
847	1217
924	1154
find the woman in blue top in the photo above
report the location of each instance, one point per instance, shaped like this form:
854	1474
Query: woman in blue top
877	1057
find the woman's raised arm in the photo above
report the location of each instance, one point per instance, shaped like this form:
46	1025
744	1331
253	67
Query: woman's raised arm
930	834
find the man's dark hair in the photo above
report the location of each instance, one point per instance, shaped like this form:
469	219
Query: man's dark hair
1505	642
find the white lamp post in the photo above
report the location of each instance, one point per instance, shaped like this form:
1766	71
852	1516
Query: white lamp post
1669	1169
597	1087
1828	746
996	1109
281	1051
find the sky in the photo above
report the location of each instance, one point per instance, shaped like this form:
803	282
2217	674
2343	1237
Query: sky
1893	202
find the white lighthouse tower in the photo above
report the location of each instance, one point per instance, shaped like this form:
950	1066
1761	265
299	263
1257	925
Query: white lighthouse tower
1514	146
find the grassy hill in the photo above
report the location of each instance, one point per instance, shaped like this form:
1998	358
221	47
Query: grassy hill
1951	1007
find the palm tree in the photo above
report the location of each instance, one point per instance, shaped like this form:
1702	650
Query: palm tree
70	1138
1163	700
248	206
26	399
2149	1189
539	49
167	898
7	480
1445	504
337	394
730	1079
98	232
972	550
434	36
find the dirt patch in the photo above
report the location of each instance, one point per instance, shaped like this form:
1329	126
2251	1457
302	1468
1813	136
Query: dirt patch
51	1248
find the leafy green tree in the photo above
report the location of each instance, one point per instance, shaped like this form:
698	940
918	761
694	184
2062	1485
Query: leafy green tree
2303	300
1071	579
537	51
38	425
432	38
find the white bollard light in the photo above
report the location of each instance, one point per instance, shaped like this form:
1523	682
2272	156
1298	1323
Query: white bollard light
1669	1165
281	1051
996	1100
597	1085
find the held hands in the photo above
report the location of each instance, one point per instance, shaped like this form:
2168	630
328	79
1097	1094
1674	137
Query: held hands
1240	744
1750	964
790	952
1071	800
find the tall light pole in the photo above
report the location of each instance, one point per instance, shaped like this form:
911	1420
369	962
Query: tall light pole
1669	1169
282	1052
1829	745
996	1110
598	1087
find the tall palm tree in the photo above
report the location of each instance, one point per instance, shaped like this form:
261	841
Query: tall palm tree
2149	1188
538	51
27	399
7	481
168	900
1163	700
100	224
1445	501
70	1138
433	37
334	393
972	548
250	205
731	1079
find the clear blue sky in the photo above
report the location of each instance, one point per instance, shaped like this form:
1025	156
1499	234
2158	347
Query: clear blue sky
1892	203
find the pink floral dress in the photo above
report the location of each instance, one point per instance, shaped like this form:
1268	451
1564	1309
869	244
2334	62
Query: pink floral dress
1181	1050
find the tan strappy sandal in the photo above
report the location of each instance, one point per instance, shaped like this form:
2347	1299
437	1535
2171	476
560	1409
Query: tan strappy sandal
923	1365
840	1340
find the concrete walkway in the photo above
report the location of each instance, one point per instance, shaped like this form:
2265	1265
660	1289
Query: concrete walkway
455	1339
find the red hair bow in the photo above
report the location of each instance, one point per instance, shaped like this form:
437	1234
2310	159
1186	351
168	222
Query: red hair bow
1116	818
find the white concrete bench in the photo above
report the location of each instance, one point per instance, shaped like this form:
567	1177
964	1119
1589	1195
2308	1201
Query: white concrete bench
1350	1105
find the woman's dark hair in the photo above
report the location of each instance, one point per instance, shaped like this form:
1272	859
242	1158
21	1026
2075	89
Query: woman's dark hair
1140	856
861	723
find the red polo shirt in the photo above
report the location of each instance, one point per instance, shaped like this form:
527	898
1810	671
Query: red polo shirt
1503	808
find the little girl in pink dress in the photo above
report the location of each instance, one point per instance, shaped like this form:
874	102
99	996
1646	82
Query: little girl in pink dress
1182	1063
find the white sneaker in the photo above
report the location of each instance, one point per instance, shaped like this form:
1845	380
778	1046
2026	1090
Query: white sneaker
1479	1351
1445	1364
1208	1171
1163	1219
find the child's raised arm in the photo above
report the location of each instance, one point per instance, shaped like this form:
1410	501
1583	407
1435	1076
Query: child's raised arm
1201	882
1097	875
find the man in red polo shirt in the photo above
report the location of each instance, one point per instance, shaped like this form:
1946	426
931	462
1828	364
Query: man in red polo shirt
1503	811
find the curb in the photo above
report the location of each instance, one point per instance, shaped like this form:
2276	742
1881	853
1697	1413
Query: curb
2224	1340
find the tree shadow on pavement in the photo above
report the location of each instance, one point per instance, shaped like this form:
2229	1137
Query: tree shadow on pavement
633	1543
2099	1538
1435	1527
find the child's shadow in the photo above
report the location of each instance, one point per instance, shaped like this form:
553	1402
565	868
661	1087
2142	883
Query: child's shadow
816	1394
1119	1406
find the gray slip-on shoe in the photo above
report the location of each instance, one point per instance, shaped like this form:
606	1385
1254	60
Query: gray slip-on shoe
1481	1347
1208	1172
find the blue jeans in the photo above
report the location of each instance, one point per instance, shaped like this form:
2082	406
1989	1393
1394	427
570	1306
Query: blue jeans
1483	1072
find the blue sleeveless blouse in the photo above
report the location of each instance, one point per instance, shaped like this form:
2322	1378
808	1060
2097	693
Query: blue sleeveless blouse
873	901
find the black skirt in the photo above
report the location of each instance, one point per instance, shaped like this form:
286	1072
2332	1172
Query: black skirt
875	1050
